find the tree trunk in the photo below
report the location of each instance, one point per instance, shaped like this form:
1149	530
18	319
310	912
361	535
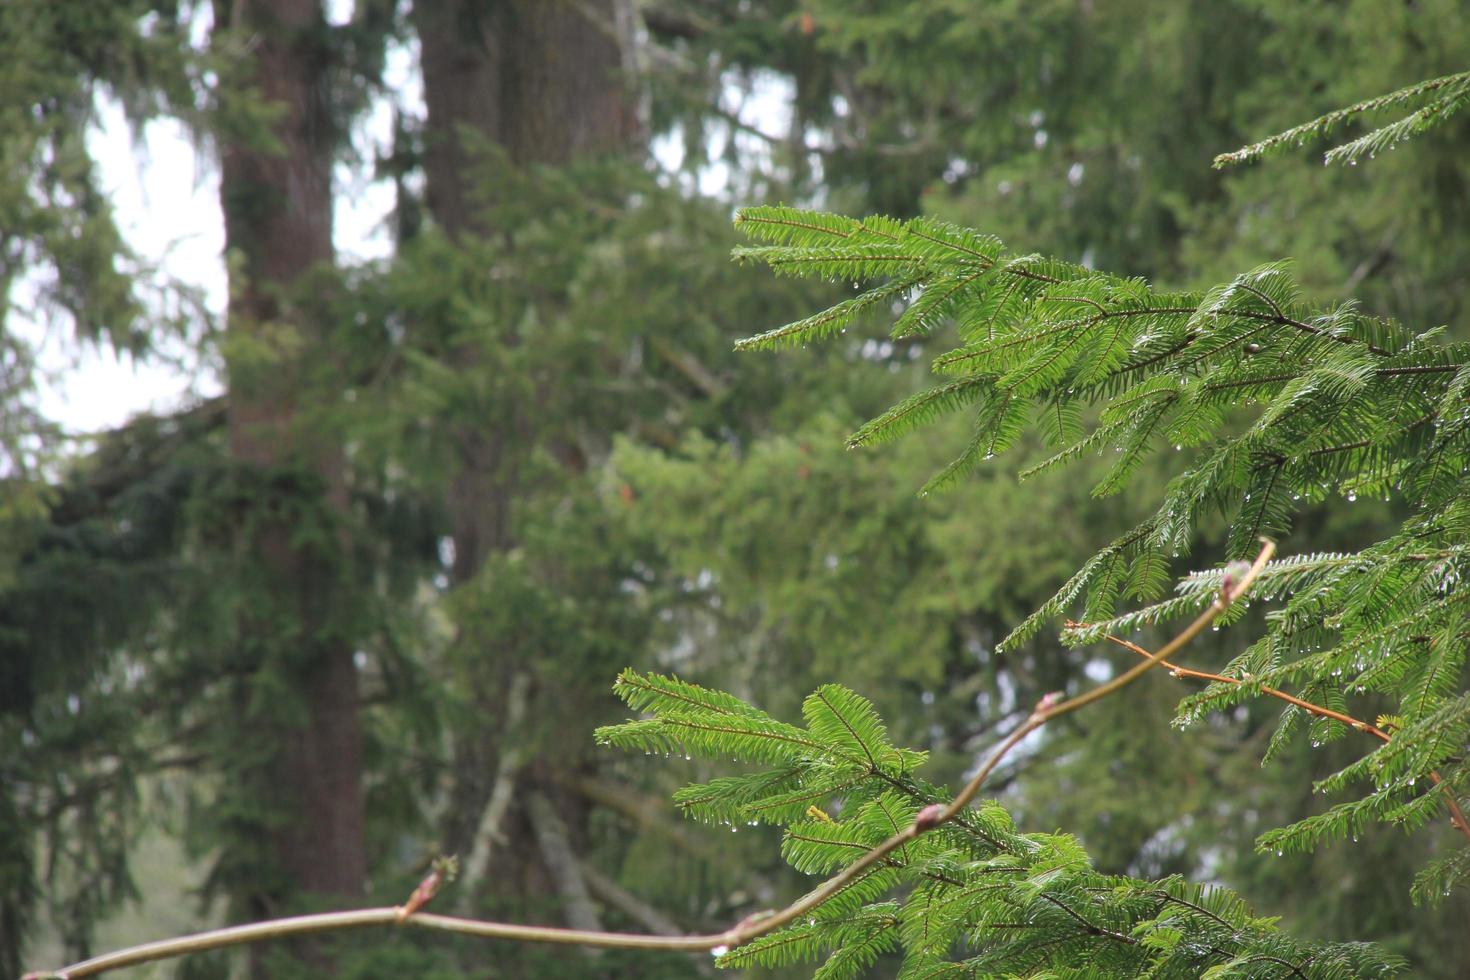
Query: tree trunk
277	203
547	82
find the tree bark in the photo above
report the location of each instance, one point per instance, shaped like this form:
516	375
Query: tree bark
547	82
277	203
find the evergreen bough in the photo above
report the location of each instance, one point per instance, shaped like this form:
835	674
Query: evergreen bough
1284	402
973	897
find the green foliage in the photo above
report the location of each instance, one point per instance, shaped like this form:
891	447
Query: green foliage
789	561
972	897
1441	98
1288	402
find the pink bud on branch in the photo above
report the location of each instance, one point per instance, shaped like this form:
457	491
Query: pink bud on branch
928	817
444	869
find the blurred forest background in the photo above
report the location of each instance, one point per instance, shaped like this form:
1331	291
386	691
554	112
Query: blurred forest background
276	650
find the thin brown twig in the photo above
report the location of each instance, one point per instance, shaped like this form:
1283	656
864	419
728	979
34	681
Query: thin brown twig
751	927
1316	709
1457	816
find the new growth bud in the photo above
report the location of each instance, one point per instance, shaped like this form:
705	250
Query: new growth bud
444	869
1235	573
928	818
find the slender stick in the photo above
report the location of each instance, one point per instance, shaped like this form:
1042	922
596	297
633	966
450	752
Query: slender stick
1316	709
1457	816
743	931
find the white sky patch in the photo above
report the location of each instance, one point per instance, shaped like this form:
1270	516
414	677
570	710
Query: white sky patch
362	228
758	110
165	201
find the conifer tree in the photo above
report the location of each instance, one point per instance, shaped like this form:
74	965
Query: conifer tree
1287	402
183	600
509	88
64	265
276	194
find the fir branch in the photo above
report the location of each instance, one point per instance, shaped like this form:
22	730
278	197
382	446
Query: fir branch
1450	92
827	323
918	409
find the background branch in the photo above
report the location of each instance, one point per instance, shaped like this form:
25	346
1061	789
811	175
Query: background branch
488	832
561	860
